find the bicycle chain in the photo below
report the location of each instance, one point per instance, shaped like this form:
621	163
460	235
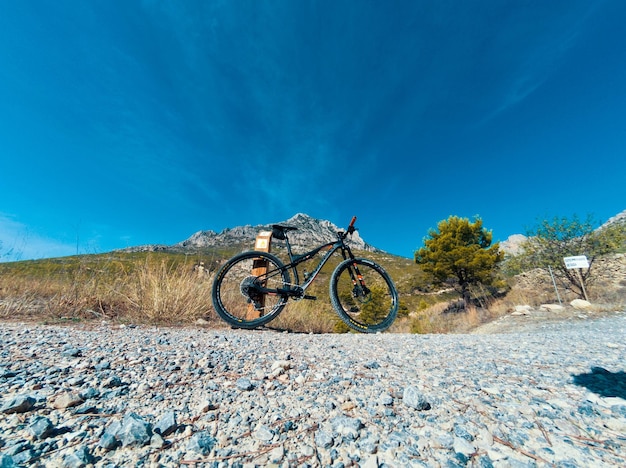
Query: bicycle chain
291	285
300	296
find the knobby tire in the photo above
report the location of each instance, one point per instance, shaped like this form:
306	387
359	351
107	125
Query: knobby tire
237	308
369	309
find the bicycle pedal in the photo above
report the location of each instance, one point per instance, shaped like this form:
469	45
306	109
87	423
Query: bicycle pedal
310	298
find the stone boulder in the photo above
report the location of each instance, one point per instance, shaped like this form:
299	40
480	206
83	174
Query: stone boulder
580	304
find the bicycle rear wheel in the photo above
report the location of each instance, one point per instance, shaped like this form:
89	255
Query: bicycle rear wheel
364	295
236	296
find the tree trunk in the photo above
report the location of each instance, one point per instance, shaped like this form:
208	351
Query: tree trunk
467	300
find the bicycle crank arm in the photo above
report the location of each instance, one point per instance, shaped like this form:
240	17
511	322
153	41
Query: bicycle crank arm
296	293
278	292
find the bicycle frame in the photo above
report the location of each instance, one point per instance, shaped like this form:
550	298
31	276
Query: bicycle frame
296	260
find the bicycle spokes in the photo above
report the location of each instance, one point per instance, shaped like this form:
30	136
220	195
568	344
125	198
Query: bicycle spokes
243	293
361	293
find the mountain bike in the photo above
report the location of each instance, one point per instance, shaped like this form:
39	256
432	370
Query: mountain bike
252	288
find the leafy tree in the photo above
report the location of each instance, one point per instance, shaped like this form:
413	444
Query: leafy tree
460	252
553	240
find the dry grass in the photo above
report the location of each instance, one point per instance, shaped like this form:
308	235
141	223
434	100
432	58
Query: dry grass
162	289
438	319
307	317
154	292
602	298
164	293
47	298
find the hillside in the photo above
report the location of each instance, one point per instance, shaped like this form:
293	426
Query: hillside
512	245
310	232
619	219
164	284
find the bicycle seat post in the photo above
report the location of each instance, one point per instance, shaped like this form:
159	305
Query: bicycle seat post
280	232
288	246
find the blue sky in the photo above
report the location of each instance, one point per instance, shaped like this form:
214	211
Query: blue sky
128	122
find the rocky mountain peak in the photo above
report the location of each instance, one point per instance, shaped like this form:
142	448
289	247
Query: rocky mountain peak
513	244
619	218
310	233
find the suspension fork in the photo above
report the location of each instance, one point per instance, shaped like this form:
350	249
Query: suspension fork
353	271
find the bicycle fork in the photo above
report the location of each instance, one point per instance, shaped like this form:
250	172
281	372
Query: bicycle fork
359	288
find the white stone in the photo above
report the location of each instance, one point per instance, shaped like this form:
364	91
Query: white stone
580	304
372	462
496	455
143	387
552	307
66	400
283	364
204	406
277	454
156	441
485	438
463	446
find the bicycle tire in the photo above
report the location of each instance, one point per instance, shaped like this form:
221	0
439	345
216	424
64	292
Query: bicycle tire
363	311
241	310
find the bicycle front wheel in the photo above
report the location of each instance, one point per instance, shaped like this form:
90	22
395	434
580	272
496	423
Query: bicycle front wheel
239	289
364	295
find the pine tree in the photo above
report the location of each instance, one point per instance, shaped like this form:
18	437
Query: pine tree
460	252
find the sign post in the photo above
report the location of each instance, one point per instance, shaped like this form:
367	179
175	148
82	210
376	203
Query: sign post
263	243
556	290
576	263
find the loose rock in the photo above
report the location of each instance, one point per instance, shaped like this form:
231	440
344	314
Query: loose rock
18	404
134	431
66	400
413	398
147	396
201	443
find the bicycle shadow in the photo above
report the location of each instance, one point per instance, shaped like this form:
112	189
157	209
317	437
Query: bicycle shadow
603	382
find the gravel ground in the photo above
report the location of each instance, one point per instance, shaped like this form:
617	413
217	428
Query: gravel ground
106	395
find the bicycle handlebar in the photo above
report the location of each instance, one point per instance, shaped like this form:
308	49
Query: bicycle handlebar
350	230
351	225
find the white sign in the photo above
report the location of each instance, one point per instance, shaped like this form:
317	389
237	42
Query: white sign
263	241
579	261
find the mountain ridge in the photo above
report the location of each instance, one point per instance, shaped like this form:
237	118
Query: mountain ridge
513	244
310	233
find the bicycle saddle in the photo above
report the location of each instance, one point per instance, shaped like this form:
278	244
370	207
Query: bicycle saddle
278	231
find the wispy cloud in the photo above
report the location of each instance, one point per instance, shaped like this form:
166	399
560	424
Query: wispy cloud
19	242
533	52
